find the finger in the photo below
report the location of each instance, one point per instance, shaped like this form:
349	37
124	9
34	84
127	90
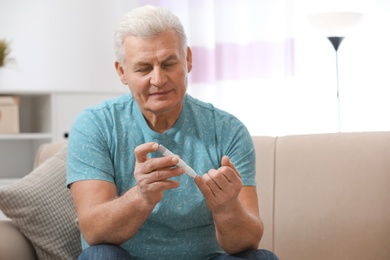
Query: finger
216	179
163	185
216	182
166	173
161	168
226	162
162	163
153	192
141	151
203	187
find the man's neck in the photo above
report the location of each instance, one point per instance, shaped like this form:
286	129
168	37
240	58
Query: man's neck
162	122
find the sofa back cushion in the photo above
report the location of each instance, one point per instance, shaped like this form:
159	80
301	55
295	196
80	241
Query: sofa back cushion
332	196
265	157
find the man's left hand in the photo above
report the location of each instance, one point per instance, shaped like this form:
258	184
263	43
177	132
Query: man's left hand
221	187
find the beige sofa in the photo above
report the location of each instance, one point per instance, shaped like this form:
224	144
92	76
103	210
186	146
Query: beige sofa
323	196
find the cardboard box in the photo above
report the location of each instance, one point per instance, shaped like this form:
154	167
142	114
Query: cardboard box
9	114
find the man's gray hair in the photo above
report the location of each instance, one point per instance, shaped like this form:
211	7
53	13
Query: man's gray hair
146	21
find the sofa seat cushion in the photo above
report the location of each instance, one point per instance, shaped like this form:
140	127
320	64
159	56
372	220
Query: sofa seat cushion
41	207
17	246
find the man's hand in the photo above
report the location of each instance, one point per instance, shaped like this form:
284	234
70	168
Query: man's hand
234	208
153	175
221	187
124	215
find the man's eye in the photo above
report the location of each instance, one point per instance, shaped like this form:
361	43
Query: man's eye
167	65
143	69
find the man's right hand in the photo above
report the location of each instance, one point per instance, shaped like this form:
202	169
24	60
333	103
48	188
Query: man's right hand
152	174
124	215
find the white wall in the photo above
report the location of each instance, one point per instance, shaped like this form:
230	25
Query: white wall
61	45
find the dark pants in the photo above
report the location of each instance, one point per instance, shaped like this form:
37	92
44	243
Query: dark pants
112	252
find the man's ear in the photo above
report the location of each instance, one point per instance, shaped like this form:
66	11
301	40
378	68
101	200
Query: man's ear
189	59
121	72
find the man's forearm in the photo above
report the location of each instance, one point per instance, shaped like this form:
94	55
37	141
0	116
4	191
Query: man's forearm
115	221
238	230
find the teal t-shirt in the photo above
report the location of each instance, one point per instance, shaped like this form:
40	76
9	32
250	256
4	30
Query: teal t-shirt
101	147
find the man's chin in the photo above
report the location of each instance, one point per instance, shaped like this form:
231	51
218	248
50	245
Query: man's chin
164	108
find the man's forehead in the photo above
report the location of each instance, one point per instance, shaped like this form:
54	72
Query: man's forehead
147	50
149	59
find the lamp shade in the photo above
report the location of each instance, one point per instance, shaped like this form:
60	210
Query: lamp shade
335	23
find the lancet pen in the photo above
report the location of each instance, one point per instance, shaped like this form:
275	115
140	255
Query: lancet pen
188	170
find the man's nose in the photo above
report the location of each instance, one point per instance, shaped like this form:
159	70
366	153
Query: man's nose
158	77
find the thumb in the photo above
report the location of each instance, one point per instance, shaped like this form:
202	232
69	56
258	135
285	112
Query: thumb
226	161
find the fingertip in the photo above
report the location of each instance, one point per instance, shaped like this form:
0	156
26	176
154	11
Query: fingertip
198	179
175	159
155	146
225	160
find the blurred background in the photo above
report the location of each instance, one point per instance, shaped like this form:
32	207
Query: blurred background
260	60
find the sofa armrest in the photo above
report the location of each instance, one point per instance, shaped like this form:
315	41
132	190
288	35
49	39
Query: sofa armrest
46	151
13	245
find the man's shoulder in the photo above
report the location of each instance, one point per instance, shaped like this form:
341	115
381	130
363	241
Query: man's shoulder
207	109
110	108
114	103
197	104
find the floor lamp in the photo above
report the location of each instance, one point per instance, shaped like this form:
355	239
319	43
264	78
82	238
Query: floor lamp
336	41
335	26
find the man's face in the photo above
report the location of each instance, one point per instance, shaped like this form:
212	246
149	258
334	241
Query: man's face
155	69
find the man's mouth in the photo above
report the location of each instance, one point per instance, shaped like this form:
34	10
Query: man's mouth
160	93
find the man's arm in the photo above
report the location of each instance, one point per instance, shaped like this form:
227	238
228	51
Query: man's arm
106	218
240	228
234	208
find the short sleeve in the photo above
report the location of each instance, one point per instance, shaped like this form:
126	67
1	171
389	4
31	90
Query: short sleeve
88	150
241	151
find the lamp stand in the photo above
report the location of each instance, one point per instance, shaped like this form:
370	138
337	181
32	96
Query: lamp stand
336	41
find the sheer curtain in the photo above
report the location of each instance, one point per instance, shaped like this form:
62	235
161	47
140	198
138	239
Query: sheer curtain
261	61
240	48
